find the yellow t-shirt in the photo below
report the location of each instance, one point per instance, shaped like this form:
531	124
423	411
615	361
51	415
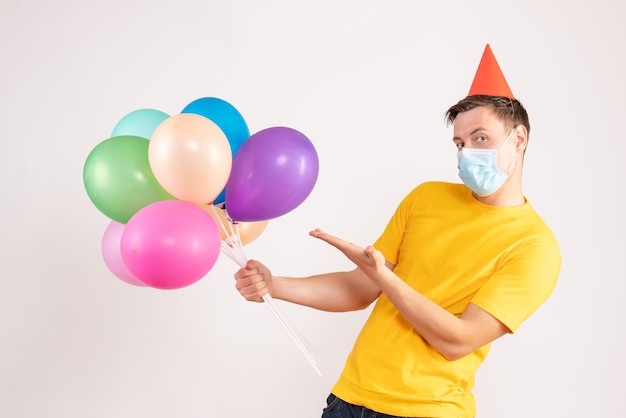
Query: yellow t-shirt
454	250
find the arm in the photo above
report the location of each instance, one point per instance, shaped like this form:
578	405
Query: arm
334	292
454	337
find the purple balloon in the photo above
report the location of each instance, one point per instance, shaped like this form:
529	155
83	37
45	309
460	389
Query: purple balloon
273	172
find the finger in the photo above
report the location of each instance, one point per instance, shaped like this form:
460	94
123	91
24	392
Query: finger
331	239
249	280
255	294
342	245
251	290
252	264
244	272
316	233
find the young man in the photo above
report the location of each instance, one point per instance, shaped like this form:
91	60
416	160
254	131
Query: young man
458	266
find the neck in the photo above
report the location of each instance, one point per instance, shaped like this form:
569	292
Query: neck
499	199
510	194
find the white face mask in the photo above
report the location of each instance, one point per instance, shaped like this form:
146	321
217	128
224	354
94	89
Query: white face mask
478	168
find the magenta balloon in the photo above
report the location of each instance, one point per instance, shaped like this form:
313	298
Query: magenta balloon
170	244
273	172
111	253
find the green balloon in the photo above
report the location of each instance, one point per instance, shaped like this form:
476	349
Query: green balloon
118	177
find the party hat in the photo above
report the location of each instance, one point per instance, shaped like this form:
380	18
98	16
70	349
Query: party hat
489	79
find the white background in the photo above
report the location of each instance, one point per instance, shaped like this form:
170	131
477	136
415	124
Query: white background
368	82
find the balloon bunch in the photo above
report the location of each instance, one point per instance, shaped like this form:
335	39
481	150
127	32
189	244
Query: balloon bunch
182	189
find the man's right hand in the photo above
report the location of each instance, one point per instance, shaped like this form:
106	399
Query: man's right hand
254	281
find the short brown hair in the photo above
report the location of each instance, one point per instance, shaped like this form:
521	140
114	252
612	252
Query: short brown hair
509	111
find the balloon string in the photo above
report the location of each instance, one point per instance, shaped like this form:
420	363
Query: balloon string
284	319
228	243
292	332
232	247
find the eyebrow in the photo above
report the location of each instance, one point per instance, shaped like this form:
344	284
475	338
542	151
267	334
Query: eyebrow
478	129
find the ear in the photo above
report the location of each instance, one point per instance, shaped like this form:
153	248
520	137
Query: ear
521	136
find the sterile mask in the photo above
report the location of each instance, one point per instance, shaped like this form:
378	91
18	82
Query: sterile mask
478	168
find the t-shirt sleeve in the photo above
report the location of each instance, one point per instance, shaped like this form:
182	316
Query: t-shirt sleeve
521	284
391	239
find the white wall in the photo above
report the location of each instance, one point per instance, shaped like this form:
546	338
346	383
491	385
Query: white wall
368	82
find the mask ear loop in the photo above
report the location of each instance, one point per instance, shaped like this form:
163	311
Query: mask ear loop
512	115
512	162
514	154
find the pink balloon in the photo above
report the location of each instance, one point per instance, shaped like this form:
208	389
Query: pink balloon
112	254
170	244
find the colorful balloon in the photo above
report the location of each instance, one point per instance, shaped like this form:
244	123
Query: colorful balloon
248	231
118	178
112	255
140	122
170	244
273	172
228	118
190	157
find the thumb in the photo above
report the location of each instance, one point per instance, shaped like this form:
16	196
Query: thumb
251	264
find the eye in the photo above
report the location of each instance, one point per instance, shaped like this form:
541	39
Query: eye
481	139
459	145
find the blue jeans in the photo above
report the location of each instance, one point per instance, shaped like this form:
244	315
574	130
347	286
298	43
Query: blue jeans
337	408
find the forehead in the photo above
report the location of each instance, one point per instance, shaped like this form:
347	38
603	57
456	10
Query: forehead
479	117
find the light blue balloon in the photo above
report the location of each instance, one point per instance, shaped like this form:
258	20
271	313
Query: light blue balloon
227	118
141	123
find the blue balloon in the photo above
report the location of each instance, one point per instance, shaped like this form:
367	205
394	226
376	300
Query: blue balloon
229	120
141	123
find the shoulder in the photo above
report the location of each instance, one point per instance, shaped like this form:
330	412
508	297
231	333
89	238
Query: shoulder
541	230
439	187
437	193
